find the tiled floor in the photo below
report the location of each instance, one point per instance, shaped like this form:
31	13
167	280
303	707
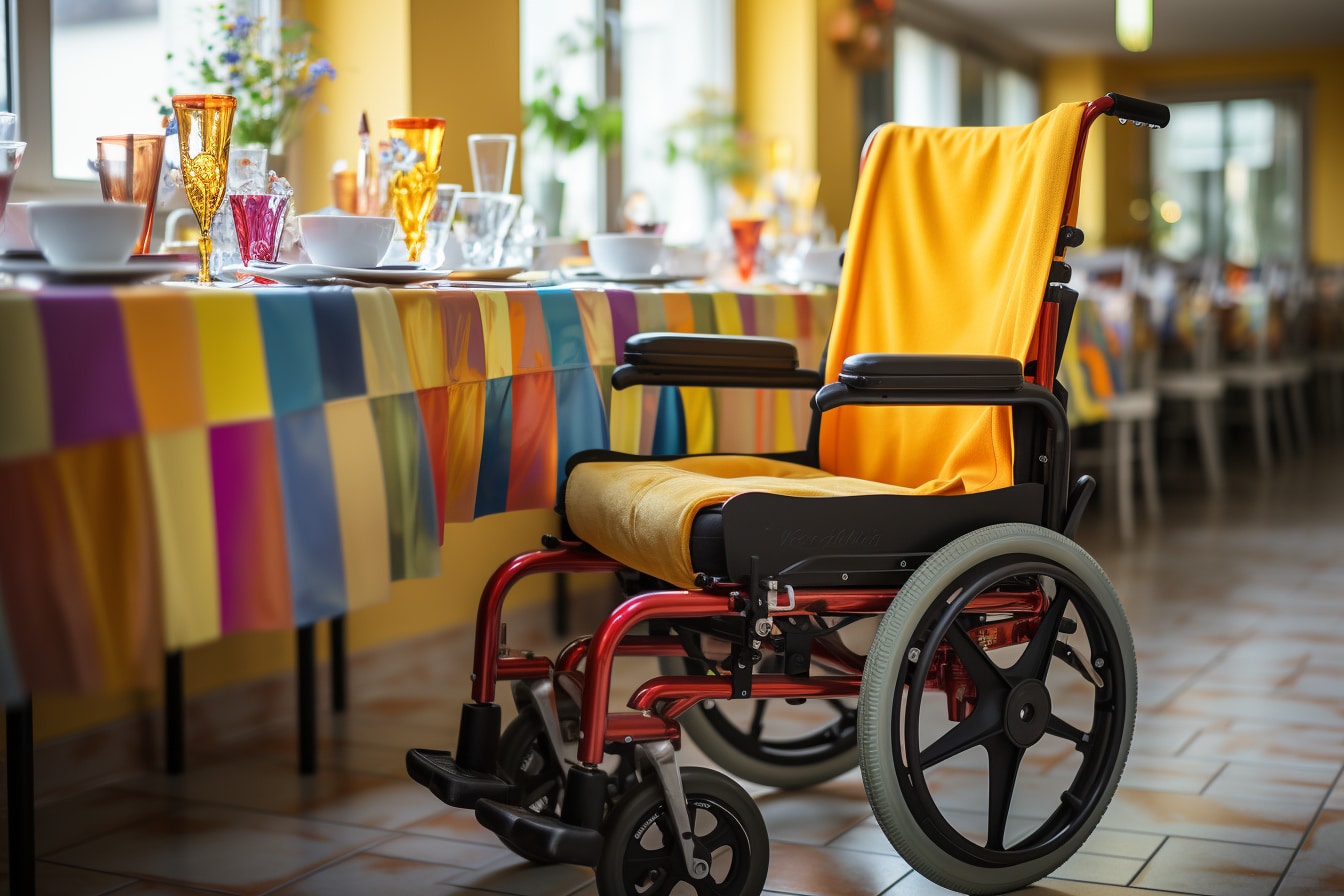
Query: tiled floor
1233	787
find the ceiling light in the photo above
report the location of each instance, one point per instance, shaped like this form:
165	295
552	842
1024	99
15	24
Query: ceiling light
1134	24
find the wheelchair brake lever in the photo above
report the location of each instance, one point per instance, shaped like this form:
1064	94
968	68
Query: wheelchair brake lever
772	588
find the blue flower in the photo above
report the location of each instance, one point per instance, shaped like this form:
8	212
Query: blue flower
240	27
230	57
321	68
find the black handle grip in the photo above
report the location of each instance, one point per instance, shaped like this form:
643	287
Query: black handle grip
1140	111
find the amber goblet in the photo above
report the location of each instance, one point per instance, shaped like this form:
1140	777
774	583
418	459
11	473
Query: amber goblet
416	145
746	241
204	131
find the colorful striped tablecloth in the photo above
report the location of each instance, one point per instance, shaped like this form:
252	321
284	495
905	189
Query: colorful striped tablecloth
180	464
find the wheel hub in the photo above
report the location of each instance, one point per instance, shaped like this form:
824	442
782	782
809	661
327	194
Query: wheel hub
1027	712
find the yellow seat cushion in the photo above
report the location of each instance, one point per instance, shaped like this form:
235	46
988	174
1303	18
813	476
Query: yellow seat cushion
640	512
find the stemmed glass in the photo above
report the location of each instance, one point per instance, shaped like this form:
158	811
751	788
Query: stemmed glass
204	131
11	154
416	145
492	161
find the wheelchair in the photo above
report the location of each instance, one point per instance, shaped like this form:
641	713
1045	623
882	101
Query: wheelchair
921	544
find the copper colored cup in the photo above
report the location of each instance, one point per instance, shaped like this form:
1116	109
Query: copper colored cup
128	171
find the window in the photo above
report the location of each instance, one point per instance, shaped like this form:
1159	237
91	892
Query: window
937	83
129	40
1228	180
6	58
664	56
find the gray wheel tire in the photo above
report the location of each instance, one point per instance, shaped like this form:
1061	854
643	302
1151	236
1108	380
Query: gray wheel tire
877	700
696	724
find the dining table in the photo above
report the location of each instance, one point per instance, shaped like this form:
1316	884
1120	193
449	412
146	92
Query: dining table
180	464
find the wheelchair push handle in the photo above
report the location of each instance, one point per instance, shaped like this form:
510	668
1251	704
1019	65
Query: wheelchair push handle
1128	108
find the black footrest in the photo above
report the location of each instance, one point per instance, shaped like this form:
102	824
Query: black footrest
543	836
457	786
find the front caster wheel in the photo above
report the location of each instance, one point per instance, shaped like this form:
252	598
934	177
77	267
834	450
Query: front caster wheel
997	708
641	853
526	759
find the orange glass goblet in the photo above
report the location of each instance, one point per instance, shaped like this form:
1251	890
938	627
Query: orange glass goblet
746	241
128	171
416	145
204	131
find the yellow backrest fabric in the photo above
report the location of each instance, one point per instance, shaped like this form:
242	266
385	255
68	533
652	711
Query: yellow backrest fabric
949	252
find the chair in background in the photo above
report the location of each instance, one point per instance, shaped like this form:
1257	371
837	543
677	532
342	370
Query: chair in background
1256	321
1189	376
1113	323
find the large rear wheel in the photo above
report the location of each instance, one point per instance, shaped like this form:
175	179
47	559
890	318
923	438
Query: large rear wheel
1009	788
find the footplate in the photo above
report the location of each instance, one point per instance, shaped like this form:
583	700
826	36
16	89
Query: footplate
544	837
457	786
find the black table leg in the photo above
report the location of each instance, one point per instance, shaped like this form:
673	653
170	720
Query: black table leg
22	817
337	637
307	671
174	714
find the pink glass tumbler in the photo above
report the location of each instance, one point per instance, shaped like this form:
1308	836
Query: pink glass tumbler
260	220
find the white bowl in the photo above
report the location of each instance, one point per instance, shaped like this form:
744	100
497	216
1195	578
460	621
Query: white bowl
618	255
822	265
346	241
85	233
14	235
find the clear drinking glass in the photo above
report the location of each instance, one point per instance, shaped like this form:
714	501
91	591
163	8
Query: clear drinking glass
492	161
129	166
9	127
204	131
482	222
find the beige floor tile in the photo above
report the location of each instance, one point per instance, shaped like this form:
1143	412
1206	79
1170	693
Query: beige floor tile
229	850
70	821
63	880
366	874
437	851
1098	869
1265	780
332	794
1124	844
813	871
1214	869
1319	866
1240	820
518	877
1174	773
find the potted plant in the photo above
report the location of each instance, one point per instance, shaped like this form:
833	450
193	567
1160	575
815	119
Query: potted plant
711	138
561	123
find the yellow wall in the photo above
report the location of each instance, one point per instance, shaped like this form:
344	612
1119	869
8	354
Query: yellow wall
365	42
1320	69
790	83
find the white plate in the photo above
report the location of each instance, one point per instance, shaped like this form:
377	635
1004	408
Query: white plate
299	274
133	271
636	279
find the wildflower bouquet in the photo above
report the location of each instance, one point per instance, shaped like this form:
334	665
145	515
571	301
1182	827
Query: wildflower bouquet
273	84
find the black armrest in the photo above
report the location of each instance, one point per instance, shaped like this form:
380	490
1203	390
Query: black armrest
704	359
886	373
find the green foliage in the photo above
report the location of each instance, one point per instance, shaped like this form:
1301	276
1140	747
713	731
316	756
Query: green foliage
711	138
548	113
272	88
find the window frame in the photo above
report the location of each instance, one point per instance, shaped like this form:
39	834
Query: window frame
1299	95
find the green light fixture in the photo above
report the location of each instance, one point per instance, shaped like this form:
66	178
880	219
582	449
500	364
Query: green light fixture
1134	24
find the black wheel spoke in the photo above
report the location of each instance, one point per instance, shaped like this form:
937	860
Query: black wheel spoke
1035	660
978	727
1004	760
639	862
1060	728
988	677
